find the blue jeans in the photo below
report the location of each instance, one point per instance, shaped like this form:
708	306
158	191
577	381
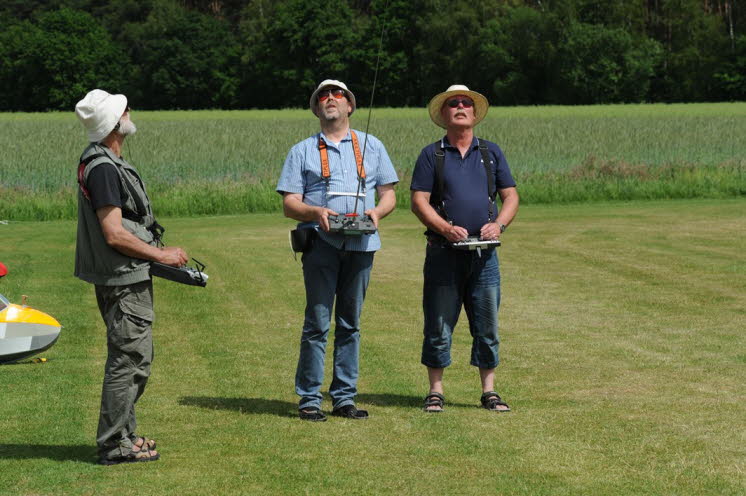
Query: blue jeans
454	278
329	272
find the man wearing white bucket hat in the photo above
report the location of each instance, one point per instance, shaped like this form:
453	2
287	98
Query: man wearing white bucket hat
116	240
454	186
337	171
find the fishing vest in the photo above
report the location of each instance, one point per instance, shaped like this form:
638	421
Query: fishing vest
95	261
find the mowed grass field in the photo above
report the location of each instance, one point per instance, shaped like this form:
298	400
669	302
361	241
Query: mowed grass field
622	357
228	162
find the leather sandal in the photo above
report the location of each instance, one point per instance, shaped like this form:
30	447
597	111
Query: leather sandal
144	441
491	400
350	412
436	400
144	455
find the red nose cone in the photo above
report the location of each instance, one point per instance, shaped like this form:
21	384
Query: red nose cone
3	269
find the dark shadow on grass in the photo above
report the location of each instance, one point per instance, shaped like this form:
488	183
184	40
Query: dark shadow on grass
243	405
84	453
389	399
288	409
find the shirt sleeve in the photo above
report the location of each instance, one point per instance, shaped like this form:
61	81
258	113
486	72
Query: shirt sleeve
504	178
423	176
291	177
386	172
104	186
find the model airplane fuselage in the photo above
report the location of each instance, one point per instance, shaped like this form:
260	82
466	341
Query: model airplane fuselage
24	331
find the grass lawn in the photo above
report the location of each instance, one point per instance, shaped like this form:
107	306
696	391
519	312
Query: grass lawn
622	353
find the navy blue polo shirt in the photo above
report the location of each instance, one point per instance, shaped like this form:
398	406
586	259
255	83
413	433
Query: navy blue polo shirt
464	181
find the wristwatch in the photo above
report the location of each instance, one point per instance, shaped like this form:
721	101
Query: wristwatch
502	227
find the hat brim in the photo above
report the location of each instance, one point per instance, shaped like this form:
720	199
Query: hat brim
481	106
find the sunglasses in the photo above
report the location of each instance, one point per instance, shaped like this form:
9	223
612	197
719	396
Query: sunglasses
466	102
336	93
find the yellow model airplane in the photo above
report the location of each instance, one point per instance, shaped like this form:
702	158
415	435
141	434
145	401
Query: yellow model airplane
24	331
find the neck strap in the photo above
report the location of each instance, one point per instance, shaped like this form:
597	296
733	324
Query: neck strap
326	171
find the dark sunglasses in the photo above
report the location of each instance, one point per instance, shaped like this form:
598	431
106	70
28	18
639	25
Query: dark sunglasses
466	102
337	93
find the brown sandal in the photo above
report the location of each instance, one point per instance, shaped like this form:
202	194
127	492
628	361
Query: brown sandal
144	441
144	455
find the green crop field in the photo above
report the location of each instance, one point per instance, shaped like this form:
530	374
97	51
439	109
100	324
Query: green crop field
220	162
622	351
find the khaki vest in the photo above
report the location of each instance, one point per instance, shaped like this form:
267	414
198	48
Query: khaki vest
95	261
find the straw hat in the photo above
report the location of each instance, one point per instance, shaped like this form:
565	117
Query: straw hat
330	83
436	104
99	112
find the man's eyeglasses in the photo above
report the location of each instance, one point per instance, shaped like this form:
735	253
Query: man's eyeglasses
337	93
466	102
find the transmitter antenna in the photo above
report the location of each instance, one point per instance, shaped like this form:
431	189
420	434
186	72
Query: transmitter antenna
361	179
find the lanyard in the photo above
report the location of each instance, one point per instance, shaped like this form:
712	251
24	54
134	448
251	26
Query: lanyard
326	171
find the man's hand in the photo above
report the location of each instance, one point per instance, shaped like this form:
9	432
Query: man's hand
173	255
455	234
322	217
371	212
490	231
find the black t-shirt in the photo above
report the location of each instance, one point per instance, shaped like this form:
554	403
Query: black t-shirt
104	186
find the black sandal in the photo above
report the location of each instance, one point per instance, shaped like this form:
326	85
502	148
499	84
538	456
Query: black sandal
491	400
350	412
434	400
312	414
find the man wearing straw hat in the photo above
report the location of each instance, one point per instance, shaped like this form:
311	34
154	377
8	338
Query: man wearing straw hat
336	171
454	185
115	244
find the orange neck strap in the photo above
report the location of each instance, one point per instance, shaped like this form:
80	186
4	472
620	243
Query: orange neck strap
326	172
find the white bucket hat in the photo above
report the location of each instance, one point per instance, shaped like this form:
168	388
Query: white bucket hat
436	104
99	113
330	83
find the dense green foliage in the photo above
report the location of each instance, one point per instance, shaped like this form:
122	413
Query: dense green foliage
622	357
227	162
195	54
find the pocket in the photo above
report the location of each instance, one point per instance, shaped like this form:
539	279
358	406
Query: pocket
138	304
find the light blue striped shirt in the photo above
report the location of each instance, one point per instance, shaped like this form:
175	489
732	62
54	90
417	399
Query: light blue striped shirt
302	174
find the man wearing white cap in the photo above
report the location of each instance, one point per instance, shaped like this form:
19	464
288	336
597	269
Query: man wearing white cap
454	185
331	173
117	239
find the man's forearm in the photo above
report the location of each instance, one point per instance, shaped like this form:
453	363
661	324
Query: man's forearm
426	213
510	200
128	244
297	210
386	202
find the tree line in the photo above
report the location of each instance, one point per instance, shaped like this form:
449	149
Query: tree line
192	54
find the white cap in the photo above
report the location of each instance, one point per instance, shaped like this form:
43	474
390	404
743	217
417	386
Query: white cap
331	83
99	113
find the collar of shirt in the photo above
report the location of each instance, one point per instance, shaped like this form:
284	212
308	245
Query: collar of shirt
447	144
329	142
